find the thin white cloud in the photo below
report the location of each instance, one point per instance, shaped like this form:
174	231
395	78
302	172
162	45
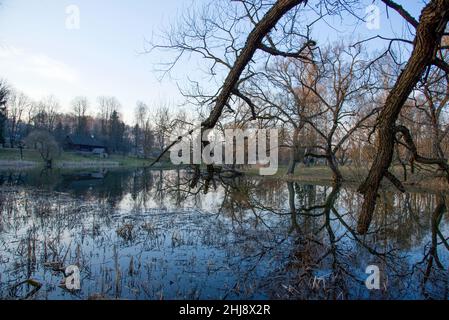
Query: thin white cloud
52	69
10	52
16	62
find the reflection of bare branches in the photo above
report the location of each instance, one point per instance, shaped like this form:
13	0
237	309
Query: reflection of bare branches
431	257
248	238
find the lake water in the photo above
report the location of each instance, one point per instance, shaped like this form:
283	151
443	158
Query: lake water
147	235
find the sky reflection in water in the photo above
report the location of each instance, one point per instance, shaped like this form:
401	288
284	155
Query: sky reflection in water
144	235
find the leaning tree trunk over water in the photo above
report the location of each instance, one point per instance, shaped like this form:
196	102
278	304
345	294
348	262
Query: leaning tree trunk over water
253	43
429	32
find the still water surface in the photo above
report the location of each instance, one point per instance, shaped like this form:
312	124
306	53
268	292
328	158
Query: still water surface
148	235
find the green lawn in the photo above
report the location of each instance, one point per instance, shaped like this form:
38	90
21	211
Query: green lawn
14	154
320	174
71	157
354	176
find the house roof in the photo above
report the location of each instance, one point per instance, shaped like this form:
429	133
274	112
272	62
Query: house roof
85	140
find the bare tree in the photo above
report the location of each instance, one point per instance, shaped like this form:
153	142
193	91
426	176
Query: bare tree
339	85
428	40
45	113
279	98
107	107
4	93
429	31
201	34
45	144
162	126
17	106
80	106
319	102
145	133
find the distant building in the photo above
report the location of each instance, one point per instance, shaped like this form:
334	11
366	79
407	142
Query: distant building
86	143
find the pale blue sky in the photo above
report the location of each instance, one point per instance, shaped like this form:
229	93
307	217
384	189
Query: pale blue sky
40	56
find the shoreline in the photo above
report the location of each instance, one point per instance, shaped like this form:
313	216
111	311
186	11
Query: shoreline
353	177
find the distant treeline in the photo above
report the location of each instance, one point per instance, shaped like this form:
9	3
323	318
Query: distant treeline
20	116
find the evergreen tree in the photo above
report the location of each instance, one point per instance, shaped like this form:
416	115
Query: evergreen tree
117	130
4	92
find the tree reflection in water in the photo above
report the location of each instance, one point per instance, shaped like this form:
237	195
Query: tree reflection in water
166	234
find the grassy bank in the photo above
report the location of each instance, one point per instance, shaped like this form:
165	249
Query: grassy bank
11	158
353	176
421	180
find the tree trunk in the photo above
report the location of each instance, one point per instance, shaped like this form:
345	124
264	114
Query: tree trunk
265	25
437	151
333	164
292	163
292	206
429	32
435	223
296	153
